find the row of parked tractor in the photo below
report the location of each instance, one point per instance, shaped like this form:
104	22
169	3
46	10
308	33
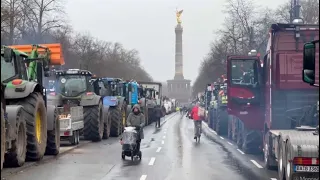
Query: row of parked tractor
41	106
266	106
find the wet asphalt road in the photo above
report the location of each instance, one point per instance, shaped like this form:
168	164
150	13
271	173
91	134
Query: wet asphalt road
168	153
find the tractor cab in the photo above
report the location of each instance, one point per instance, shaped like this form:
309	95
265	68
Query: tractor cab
73	86
150	93
74	83
114	86
244	86
12	65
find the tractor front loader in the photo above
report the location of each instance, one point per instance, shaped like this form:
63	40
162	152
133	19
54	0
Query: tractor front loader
32	126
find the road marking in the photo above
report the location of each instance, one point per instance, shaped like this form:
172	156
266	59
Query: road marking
240	151
255	163
215	133
159	149
152	160
164	137
143	177
221	137
230	143
162	142
273	178
165	132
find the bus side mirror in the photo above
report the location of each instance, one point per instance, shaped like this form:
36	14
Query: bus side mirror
309	58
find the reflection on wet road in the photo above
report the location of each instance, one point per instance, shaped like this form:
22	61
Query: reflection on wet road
168	153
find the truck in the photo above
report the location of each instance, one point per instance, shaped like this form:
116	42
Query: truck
29	126
167	105
247	134
152	93
275	106
75	87
71	124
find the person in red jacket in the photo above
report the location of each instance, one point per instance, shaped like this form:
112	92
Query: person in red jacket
196	119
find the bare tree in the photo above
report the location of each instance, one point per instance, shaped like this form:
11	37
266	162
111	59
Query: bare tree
309	11
41	21
11	15
245	28
43	16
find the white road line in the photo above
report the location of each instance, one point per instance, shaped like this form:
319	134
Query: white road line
215	133
143	177
159	149
162	142
273	178
152	160
164	137
240	151
165	132
221	137
255	163
230	143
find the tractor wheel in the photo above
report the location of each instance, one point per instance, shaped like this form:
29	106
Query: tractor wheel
124	115
3	136
251	141
106	130
116	122
36	120
230	126
53	139
93	122
222	122
16	156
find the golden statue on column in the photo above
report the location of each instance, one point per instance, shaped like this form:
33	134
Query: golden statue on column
178	15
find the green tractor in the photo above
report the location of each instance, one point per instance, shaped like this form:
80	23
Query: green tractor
29	127
75	87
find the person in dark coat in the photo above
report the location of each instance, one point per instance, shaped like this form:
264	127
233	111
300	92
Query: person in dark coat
137	119
158	115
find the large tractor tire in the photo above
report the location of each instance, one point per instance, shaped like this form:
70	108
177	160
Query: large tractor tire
230	128
251	141
53	139
16	156
36	120
222	122
93	122
116	122
124	115
106	130
3	136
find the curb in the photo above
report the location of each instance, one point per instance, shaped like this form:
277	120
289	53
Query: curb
46	158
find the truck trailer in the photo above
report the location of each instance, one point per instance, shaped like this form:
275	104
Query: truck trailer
277	109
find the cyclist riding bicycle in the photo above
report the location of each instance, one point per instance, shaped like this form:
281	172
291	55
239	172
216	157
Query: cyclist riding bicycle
197	114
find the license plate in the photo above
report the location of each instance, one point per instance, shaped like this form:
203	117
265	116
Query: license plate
307	168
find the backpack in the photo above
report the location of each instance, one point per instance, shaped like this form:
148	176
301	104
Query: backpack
201	111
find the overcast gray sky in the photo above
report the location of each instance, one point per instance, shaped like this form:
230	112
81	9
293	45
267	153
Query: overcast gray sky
148	26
